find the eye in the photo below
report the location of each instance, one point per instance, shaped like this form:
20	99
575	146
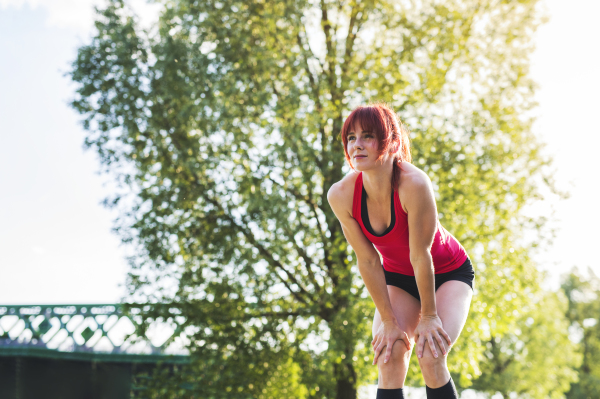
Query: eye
350	138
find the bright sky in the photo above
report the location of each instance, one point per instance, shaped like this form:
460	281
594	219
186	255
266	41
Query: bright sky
55	240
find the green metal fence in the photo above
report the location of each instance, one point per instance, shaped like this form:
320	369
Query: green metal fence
78	351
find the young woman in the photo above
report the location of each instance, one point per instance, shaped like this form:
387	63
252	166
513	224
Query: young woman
423	291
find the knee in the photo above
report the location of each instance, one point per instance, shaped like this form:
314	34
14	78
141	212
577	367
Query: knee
429	363
398	359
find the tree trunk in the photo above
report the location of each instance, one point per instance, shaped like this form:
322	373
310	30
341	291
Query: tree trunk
346	381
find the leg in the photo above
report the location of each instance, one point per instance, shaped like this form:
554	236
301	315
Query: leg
407	310
453	299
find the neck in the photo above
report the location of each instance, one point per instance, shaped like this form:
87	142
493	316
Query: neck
378	182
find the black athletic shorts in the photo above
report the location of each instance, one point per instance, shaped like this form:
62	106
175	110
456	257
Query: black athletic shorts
464	273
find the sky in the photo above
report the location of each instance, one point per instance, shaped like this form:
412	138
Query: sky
56	244
566	66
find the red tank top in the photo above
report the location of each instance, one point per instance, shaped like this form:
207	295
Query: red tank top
446	251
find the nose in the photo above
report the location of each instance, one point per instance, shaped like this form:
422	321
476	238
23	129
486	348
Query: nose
358	143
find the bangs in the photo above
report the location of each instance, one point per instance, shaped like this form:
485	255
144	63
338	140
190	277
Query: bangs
369	119
380	120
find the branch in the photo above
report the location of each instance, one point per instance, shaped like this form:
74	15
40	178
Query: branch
305	198
266	254
351	36
277	314
330	55
269	257
305	257
313	83
163	308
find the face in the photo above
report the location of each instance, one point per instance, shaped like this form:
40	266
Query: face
362	148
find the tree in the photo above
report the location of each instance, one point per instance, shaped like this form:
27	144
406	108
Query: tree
535	359
583	313
223	126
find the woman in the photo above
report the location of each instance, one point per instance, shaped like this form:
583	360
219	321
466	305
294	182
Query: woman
424	289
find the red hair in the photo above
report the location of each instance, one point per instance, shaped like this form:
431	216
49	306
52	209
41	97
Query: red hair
391	134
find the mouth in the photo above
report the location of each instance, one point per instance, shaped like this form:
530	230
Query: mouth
359	156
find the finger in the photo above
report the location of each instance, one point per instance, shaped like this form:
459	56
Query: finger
377	353
376	343
432	345
420	346
376	350
388	351
406	341
447	338
440	342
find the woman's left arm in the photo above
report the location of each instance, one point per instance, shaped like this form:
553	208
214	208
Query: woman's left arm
422	226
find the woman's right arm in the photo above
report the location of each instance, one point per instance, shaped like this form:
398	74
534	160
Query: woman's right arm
369	266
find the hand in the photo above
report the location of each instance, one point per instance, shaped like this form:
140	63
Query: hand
430	327
388	333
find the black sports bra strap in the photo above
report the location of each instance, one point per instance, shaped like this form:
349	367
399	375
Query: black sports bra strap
364	213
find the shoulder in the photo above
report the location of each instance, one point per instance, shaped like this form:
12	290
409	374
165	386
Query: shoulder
415	185
341	194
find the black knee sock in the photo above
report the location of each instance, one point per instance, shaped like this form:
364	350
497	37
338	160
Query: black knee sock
448	391
390	393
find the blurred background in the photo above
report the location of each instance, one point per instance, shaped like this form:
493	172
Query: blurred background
56	243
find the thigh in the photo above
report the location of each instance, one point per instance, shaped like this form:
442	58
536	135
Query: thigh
453	299
407	310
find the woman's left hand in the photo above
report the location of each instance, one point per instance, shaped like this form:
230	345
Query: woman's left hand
428	329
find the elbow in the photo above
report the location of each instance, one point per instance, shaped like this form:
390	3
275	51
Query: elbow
420	259
368	263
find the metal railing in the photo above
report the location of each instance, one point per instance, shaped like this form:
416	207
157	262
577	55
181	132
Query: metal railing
99	332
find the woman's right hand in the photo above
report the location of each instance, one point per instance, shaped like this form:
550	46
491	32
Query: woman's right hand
388	333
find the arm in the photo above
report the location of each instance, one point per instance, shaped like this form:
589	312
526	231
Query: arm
369	266
371	271
422	225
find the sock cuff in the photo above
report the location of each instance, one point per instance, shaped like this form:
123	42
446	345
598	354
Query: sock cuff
447	391
396	393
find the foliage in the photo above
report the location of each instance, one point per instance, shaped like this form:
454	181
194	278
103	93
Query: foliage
222	379
583	313
222	127
535	359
